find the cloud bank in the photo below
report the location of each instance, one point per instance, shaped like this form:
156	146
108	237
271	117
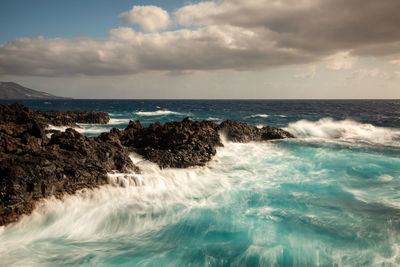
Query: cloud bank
227	34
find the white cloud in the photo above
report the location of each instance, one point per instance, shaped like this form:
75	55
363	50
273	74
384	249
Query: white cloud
130	52
340	61
150	18
307	74
222	35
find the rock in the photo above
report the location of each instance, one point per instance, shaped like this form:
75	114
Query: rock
33	167
178	144
19	114
187	143
70	118
242	132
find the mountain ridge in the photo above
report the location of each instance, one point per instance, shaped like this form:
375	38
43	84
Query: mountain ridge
12	90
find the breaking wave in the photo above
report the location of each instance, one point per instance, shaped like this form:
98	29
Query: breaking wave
345	130
255	204
118	121
259	116
157	113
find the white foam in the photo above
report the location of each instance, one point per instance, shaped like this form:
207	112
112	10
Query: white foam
156	113
346	130
58	128
259	115
118	121
83	128
386	178
134	205
213	119
92	128
93	213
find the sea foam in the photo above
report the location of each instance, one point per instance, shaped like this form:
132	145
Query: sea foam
346	130
114	121
270	203
157	113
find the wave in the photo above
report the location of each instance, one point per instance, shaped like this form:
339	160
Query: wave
259	116
92	129
157	113
118	121
346	130
58	128
235	203
152	199
83	128
213	119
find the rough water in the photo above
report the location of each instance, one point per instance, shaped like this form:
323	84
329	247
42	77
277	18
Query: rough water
331	197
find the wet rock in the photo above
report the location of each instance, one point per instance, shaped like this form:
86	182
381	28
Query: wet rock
188	143
19	114
242	132
70	118
178	144
33	167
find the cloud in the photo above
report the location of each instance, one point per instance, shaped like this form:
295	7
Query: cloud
222	35
395	61
307	74
150	18
340	61
362	74
128	52
315	26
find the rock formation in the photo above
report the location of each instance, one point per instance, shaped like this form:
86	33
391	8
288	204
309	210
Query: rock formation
33	166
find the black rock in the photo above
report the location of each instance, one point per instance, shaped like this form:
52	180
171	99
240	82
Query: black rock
33	167
242	132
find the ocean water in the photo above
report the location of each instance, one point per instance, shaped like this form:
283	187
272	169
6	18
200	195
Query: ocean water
330	197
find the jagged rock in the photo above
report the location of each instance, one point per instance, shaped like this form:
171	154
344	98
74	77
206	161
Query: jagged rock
33	167
70	118
178	144
242	132
187	143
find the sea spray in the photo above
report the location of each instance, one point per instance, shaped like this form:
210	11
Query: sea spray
346	130
157	113
269	203
327	198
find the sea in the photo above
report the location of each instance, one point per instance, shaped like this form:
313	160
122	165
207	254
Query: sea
329	197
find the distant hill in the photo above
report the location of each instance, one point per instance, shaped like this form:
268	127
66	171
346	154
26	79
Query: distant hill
10	90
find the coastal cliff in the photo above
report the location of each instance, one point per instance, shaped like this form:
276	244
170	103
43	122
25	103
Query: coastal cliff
34	166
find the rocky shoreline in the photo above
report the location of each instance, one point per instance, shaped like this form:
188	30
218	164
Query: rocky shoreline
34	166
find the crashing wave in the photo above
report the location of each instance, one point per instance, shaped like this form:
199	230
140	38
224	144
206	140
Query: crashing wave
157	113
346	130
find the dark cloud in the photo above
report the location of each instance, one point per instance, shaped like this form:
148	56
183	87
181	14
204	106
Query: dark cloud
318	26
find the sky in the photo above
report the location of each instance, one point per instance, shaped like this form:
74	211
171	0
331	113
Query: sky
226	49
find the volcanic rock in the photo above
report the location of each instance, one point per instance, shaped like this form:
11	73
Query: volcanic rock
70	118
242	132
33	167
187	143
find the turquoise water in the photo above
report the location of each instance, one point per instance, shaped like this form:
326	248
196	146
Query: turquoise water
331	197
